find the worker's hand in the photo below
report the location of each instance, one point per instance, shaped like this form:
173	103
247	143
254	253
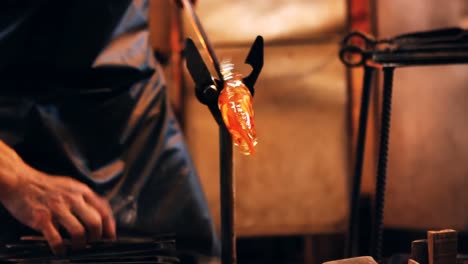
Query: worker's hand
48	203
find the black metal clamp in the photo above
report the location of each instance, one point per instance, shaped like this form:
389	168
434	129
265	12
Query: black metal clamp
436	47
207	89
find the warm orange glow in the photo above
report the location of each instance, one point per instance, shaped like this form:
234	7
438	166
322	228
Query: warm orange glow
235	104
360	17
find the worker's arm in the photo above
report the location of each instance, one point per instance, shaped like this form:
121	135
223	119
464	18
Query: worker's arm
45	203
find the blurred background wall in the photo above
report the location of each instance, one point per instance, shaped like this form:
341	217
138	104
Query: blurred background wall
428	169
297	182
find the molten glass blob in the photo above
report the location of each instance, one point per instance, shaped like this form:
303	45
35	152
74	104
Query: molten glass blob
235	104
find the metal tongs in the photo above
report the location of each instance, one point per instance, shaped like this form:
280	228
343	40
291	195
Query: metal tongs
207	89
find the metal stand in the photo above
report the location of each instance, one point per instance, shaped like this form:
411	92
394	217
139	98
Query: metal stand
228	198
207	90
360	147
437	47
377	231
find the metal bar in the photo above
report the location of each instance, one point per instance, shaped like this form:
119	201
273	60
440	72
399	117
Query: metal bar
203	38
227	193
227	188
377	229
360	149
418	58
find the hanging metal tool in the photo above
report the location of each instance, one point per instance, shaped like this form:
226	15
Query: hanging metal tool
207	89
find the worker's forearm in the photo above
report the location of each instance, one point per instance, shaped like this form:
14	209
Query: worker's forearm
10	165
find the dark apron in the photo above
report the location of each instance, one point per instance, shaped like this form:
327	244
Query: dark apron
81	95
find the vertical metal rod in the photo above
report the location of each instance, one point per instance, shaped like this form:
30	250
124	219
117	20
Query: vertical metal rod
377	230
227	187
227	193
353	224
203	38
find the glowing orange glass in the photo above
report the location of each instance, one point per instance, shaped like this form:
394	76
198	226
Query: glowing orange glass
235	103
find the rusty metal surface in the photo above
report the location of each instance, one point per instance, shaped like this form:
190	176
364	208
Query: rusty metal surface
124	250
